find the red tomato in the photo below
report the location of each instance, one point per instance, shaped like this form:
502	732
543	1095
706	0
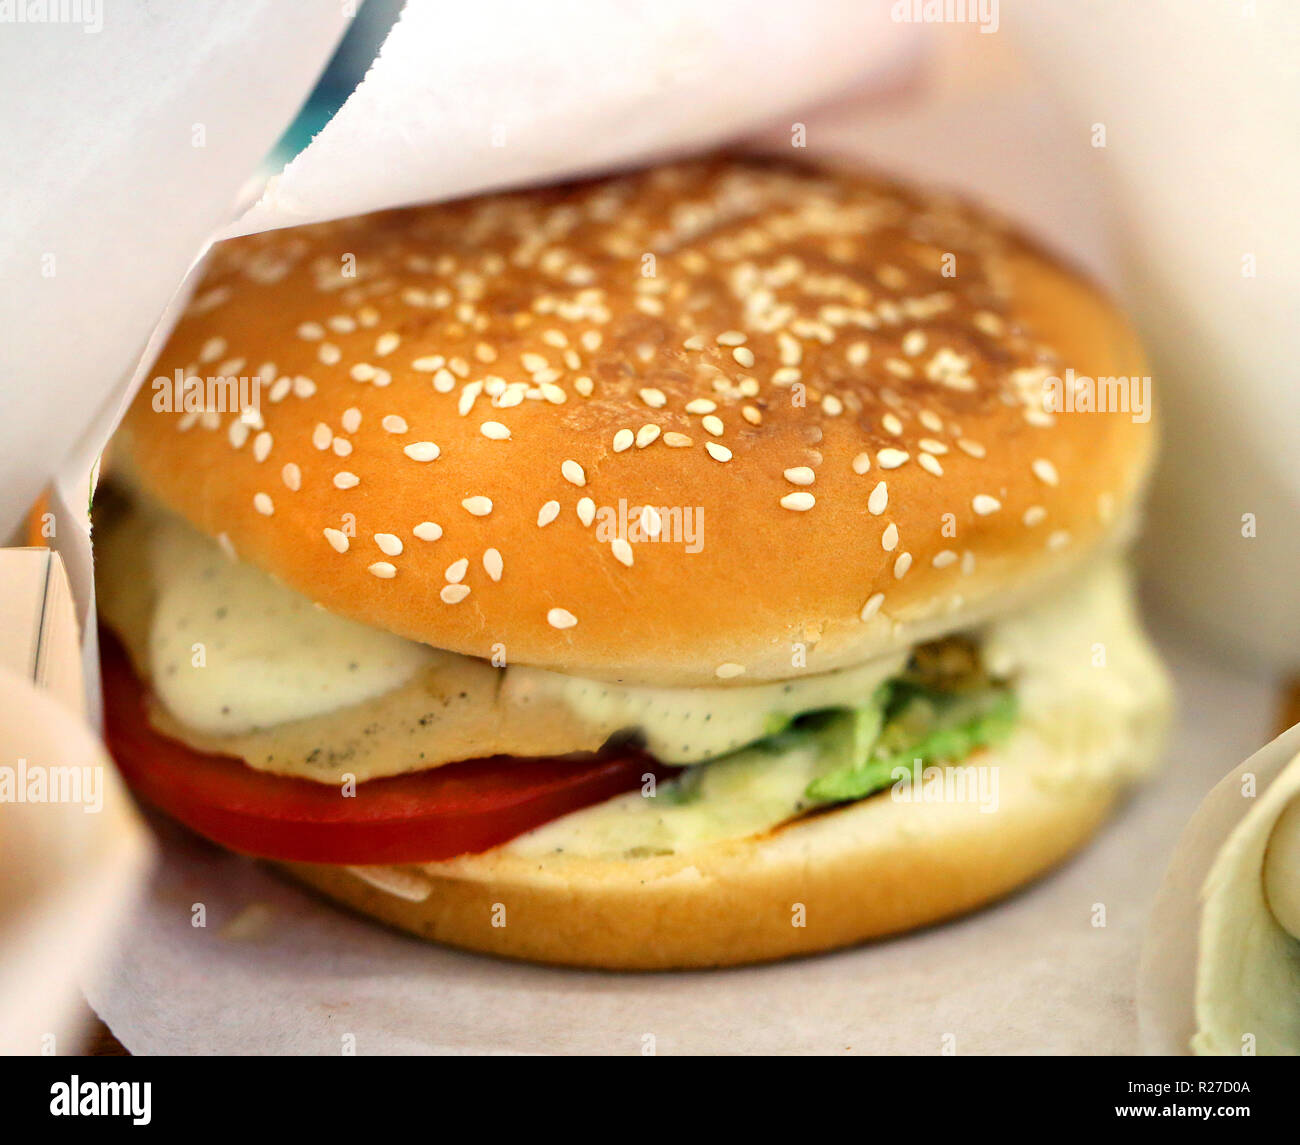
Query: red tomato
456	809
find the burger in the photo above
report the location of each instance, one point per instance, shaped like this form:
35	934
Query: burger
705	565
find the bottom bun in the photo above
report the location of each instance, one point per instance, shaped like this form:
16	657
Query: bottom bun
868	869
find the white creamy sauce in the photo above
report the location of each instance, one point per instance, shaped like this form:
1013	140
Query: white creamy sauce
1084	674
1096	718
230	649
270	657
686	725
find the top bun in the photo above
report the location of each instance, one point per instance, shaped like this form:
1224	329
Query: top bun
841	379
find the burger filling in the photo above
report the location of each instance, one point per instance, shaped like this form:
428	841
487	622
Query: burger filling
239	665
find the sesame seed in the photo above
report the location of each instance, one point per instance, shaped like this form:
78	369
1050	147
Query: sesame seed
973	448
1058	540
729	671
732	338
338	540
878	500
342	446
261	446
913	343
427	531
892	458
329	354
675	440
493	565
622	551
623	439
800	475
713	424
389	544
862	463
383	570
752	415
573	473
586	510
351	419
560	618
303	387
872	606
1045	471
1034	515
930	464
393	423
444	381
901	565
429	363
655	399
494	431
799	502
832	406
291	475
362	372
456	570
322	435
983	504
701	405
943	559
422	451
311	331
548	513
345	480
454	593
717	452
744	355
478	506
892	424
583	385
651	522
387	343
889	538
238	433
263	504
646	434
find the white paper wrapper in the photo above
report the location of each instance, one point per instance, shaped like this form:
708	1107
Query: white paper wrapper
1218	974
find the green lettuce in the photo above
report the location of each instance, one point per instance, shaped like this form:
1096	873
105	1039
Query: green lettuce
906	726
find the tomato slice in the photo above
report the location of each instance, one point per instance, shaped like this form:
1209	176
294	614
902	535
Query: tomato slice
457	809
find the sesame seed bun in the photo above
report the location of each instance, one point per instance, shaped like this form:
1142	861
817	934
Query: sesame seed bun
869	869
842	376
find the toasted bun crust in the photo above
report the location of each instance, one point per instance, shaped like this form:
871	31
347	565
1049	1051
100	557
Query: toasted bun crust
872	464
869	869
